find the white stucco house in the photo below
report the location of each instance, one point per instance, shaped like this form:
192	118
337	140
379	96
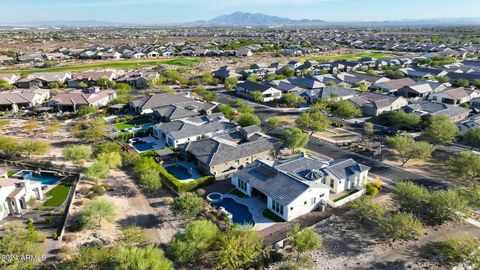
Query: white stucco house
15	194
295	187
268	92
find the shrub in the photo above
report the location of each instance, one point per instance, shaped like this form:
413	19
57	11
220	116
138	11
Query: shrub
98	190
377	182
371	189
60	257
65	248
401	225
54	235
51	213
69	237
84	190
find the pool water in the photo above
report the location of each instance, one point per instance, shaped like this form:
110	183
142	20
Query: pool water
180	172
240	212
46	178
142	146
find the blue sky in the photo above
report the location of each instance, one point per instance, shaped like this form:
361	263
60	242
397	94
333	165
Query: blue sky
174	11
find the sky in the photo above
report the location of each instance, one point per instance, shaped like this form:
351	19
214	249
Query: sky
177	11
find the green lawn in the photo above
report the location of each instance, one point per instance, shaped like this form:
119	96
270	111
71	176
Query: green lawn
351	56
131	123
123	64
58	195
11	172
346	195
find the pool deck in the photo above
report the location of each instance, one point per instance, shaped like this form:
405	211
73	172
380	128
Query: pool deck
157	143
256	207
189	165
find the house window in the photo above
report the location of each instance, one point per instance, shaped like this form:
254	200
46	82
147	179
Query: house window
277	207
291	208
321	196
332	183
242	185
313	201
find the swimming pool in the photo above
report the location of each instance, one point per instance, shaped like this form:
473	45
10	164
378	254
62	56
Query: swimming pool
240	212
179	171
46	178
143	146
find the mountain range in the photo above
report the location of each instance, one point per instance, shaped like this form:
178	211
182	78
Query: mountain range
242	19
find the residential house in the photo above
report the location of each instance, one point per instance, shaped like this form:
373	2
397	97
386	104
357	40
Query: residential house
422	73
454	96
420	90
184	131
222	156
90	78
15	100
8	78
243	53
138	80
169	107
268	92
298	186
15	195
393	86
111	55
373	104
325	93
427	108
72	99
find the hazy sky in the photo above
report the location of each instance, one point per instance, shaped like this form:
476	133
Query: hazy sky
173	11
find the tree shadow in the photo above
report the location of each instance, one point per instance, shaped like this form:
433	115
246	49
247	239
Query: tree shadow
146	221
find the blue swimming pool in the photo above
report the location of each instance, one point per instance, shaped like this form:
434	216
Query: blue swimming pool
46	178
180	172
142	146
240	212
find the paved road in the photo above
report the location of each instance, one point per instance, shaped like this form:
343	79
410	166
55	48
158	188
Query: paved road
388	173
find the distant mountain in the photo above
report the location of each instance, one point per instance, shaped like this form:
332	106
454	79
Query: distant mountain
254	19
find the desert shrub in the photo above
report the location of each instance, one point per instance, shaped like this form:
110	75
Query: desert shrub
371	189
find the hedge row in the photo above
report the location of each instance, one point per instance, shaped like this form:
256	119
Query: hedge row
184	186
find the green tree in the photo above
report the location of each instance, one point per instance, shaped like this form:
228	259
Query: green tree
238	247
18	240
472	137
86	110
205	94
97	172
123	88
466	166
367	210
246	108
104	82
141	258
330	84
248	119
253	78
401	225
315	121
5	85
443	79
368	128
199	236
227	111
409	149
404	120
230	83
292	100
187	205
288	72
76	153
108	147
257	96
144	164
295	138
344	109
476	83
93	134
461	83
440	130
83	85
96	211
303	240
273	122
112	159
150	181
